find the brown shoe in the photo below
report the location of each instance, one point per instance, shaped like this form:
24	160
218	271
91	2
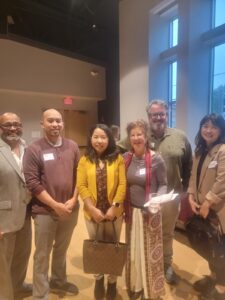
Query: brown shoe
68	288
213	295
204	285
25	289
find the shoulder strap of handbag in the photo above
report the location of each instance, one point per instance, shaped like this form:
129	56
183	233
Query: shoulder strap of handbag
114	232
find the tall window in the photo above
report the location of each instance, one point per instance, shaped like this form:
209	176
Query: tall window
218	63
174	32
218	80
172	97
219	15
181	70
172	93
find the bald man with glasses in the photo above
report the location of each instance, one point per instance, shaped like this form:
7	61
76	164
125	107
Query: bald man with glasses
15	227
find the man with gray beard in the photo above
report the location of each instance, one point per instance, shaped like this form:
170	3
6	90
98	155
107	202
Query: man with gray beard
15	227
175	149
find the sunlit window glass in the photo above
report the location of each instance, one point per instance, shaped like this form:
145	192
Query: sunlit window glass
218	92
173	93
174	33
219	12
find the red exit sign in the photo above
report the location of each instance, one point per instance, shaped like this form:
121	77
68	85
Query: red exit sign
68	100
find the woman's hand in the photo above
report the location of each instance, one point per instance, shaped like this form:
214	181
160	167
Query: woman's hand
204	209
194	206
111	213
97	215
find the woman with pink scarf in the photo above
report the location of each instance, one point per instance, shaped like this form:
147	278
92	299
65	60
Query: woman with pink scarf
146	174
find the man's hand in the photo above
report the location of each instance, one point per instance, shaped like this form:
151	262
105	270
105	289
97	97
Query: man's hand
1	234
61	210
111	213
70	204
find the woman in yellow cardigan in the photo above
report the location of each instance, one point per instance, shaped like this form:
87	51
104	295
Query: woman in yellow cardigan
101	183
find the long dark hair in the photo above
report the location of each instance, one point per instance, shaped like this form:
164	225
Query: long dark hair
110	154
218	121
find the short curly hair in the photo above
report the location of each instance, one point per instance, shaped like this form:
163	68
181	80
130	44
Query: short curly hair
141	124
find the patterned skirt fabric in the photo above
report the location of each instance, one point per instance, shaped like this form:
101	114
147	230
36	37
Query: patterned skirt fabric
144	266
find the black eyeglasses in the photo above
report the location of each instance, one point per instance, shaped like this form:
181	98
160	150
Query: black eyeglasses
9	125
157	115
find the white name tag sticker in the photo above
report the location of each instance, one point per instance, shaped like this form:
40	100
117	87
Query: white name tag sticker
212	164
48	156
142	171
152	145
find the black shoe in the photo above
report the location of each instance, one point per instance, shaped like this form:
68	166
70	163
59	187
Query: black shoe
99	290
111	291
204	285
135	295
170	276
68	288
213	295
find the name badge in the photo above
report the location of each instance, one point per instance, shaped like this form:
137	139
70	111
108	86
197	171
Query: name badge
48	156
142	171
212	164
152	145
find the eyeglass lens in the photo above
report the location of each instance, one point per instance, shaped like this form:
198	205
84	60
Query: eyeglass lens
13	124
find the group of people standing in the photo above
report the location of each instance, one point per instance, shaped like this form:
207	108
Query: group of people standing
113	187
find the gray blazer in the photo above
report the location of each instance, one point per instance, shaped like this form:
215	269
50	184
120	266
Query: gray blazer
13	192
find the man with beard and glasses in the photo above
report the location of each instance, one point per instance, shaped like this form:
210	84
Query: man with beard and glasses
50	166
15	225
175	149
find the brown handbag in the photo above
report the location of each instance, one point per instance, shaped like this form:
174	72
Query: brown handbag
101	257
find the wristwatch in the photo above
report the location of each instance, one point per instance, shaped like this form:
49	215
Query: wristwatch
116	204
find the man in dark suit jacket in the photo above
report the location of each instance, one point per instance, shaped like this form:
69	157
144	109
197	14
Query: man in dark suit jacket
15	228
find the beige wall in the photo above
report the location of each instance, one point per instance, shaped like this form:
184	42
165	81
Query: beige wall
134	22
29	107
26	68
32	79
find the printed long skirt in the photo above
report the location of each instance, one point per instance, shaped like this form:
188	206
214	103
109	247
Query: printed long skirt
144	266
